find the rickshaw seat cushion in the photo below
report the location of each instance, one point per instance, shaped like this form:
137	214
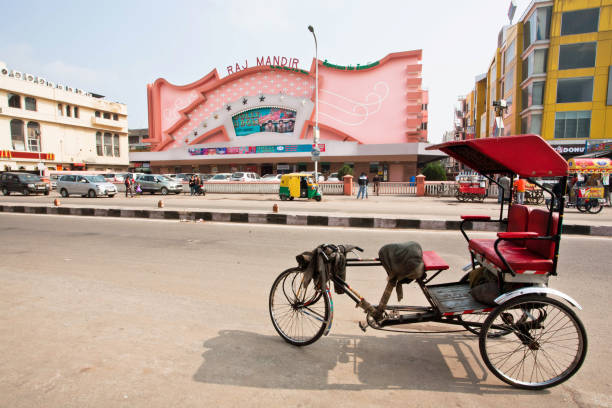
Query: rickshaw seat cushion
518	219
476	217
538	222
515	235
433	262
520	259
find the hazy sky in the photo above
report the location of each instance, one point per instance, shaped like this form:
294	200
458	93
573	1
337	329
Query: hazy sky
116	47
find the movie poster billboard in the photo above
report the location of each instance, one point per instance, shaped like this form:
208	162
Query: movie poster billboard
276	120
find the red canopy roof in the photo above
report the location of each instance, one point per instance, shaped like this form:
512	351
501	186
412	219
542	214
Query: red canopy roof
525	155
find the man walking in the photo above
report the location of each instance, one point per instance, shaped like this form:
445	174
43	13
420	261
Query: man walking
128	182
504	183
376	181
521	186
363	186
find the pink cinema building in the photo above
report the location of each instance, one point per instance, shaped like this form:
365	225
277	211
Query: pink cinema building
261	117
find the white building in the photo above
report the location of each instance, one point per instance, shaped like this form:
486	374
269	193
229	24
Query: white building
62	127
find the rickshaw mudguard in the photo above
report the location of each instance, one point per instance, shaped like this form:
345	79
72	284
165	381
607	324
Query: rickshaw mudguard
536	290
328	324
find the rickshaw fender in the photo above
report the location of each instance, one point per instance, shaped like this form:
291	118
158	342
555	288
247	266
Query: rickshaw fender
536	290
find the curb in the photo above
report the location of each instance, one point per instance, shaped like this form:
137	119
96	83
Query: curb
288	219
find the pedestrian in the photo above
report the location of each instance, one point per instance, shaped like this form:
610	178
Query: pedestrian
521	185
197	184
363	186
192	184
376	181
605	180
128	182
504	188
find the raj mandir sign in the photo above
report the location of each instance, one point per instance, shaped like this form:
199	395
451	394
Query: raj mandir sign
275	60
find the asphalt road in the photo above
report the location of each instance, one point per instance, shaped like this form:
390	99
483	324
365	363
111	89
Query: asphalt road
104	312
428	208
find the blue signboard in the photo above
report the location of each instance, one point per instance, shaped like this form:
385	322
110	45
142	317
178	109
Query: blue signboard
275	120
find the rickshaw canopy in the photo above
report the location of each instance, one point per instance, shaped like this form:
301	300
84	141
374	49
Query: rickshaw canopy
594	165
525	155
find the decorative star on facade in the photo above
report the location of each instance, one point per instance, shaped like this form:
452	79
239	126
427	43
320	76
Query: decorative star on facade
228	108
262	98
244	101
204	124
216	116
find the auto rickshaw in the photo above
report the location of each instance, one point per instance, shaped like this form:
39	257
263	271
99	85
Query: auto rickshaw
300	185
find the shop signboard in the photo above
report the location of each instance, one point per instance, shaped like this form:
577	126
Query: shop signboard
222	151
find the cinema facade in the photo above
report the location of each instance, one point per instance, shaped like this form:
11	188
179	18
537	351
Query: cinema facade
261	118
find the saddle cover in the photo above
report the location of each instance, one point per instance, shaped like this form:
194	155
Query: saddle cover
316	269
403	263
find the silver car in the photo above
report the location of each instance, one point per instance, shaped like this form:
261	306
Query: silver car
86	186
158	183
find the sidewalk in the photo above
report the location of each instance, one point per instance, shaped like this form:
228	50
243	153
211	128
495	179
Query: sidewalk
376	212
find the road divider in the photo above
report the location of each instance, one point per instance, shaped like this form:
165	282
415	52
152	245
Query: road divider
286	219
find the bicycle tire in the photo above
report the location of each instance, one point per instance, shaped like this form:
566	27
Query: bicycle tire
298	315
541	343
598	207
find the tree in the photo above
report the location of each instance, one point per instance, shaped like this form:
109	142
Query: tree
434	171
344	170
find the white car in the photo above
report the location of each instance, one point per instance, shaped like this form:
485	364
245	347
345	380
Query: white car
333	177
272	178
88	185
245	176
220	178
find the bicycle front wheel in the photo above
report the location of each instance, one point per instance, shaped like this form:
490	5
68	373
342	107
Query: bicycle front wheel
299	314
546	345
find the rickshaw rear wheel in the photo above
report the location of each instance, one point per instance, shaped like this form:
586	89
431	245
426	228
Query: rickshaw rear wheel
547	343
283	197
318	198
582	207
298	315
291	198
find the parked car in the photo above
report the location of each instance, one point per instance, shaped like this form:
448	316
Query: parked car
220	177
53	180
272	178
158	183
114	177
333	177
205	176
24	183
86	186
184	176
172	176
245	176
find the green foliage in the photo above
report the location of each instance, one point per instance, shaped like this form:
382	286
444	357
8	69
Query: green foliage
434	171
344	170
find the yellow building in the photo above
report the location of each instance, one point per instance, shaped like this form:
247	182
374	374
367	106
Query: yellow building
553	70
59	127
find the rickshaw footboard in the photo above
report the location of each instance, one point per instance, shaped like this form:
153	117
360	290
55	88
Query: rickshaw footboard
454	299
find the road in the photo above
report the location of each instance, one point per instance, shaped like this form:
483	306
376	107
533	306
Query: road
429	208
104	312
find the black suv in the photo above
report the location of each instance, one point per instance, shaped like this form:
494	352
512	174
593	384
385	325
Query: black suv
24	183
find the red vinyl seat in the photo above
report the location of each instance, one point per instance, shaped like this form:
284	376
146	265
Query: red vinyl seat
530	255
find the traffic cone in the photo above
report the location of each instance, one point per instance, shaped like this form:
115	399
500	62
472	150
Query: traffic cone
275	208
160	204
56	202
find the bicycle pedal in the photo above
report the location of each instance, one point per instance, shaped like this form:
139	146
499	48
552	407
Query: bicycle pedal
363	326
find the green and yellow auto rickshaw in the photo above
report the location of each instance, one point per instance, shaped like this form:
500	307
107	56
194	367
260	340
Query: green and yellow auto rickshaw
300	185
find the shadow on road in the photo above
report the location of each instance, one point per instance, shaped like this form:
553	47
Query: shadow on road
421	362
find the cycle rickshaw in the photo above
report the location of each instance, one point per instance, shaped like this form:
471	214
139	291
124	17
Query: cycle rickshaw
529	336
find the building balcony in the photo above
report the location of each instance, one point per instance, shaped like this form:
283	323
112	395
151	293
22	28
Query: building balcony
414	95
414	108
108	123
416	82
414	69
413	123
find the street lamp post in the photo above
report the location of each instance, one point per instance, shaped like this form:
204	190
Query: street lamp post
316	128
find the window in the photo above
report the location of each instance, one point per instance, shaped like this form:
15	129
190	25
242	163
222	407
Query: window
68	110
532	124
493	84
535	63
581	55
17	137
580	21
575	90
106	115
533	95
537	27
99	150
33	137
97	114
60	109
134	140
509	54
116	150
573	124
76	111
115	116
30	103
14	101
108	144
508	81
